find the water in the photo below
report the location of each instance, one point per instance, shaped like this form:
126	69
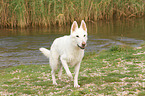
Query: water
21	46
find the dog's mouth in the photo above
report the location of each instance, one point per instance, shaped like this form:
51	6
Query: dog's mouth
81	47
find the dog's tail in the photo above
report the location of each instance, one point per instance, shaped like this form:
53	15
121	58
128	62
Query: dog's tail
45	51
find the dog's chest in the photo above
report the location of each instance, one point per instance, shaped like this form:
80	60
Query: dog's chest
74	58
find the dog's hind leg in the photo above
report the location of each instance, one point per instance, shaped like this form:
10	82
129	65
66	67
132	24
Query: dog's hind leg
53	77
60	71
64	63
54	64
53	74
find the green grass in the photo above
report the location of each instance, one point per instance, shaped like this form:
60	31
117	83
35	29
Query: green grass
117	71
44	13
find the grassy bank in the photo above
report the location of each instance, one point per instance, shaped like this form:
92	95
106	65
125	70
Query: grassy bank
117	71
24	13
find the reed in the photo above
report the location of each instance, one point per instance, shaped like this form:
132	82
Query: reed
44	13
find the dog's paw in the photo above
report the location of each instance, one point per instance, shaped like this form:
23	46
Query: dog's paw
70	76
59	78
54	83
76	85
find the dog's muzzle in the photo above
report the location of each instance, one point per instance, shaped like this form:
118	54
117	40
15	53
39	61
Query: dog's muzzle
83	46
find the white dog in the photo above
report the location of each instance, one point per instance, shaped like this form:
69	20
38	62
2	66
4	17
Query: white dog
69	50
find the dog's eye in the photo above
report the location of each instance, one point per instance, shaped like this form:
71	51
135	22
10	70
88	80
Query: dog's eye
84	35
77	36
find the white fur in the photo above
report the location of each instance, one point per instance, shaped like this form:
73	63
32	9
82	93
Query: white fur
69	50
45	52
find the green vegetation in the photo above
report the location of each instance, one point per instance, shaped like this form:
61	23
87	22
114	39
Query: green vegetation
117	71
43	13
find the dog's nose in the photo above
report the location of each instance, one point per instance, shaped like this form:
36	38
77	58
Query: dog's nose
83	44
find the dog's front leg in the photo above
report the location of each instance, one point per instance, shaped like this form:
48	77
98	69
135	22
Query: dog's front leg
64	63
77	68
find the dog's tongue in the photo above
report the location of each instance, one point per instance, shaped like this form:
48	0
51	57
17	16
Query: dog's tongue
83	47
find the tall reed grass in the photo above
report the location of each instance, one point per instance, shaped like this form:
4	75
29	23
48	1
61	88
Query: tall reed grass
44	13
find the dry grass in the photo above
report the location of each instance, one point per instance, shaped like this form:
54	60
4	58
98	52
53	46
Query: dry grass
44	13
119	71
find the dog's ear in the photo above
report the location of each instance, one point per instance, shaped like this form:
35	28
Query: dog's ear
83	25
74	26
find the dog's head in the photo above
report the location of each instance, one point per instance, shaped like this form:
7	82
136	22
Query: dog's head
79	35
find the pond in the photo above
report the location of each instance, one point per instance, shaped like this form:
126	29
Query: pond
21	46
